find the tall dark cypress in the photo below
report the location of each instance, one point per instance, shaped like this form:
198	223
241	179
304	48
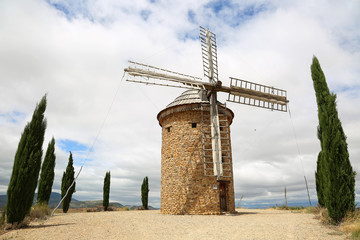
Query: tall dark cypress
335	177
145	192
66	181
47	174
319	177
26	167
106	191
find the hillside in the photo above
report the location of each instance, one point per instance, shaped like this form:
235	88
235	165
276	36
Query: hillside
56	197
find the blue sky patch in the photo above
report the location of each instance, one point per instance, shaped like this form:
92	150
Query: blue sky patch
219	5
191	16
352	91
233	13
189	35
12	117
145	14
69	145
71	9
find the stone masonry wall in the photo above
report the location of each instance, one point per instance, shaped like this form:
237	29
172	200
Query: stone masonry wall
184	188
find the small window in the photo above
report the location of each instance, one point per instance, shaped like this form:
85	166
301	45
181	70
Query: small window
193	125
168	129
223	156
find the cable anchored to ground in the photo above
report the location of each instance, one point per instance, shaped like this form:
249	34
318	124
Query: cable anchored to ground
92	145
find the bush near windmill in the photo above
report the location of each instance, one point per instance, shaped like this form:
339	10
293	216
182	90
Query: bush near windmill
335	178
145	193
26	167
47	174
106	191
66	181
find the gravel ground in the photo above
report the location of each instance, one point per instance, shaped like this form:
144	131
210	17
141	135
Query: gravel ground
248	224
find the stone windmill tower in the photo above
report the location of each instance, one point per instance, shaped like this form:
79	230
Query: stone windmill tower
188	183
196	174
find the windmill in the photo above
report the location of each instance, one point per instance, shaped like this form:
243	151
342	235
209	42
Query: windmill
239	91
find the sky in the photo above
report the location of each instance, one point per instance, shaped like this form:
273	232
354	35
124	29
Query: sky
75	52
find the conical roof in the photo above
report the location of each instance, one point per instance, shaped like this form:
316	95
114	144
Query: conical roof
189	97
190	100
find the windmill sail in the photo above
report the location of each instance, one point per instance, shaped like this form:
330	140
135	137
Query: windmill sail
157	76
209	54
257	95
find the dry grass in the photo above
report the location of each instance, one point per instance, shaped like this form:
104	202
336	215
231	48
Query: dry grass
320	213
283	207
351	224
94	209
39	211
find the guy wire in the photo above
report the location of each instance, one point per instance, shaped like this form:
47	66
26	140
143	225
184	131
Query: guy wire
92	146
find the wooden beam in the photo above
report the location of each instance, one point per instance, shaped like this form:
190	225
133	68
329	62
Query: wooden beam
239	91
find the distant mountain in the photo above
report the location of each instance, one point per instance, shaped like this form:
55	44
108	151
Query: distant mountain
256	205
56	197
133	207
3	199
91	204
53	202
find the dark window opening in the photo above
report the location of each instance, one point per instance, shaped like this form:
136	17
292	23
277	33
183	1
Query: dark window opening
168	129
223	157
193	125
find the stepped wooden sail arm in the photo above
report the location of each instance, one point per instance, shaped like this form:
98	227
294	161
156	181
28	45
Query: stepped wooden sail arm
159	75
136	72
239	91
195	82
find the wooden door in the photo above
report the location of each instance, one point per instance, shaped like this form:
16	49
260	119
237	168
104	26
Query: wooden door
223	202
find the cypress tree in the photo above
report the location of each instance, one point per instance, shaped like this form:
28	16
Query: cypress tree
47	174
145	192
66	181
335	177
106	191
319	177
27	162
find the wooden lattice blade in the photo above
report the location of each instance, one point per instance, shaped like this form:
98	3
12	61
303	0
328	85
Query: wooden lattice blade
257	95
158	76
209	54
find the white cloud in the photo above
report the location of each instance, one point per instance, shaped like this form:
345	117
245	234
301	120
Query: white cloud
79	59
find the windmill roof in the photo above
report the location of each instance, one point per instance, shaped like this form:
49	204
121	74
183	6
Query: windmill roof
189	97
191	100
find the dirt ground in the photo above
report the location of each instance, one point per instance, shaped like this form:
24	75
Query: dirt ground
248	224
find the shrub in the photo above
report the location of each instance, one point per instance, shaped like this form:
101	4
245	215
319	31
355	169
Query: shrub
2	218
106	191
67	180
27	162
335	178
39	211
145	193
111	208
94	209
47	174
